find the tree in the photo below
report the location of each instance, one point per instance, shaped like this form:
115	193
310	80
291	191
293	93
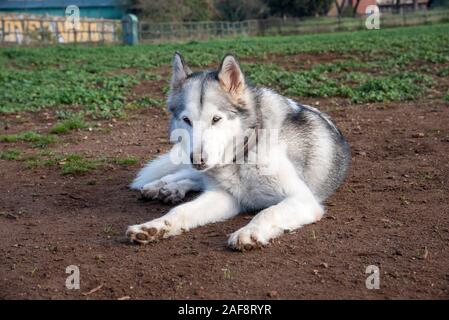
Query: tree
237	10
438	3
173	10
355	6
339	5
398	6
298	8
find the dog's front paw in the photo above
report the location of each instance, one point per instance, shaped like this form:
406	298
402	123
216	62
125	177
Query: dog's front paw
247	238
149	232
152	190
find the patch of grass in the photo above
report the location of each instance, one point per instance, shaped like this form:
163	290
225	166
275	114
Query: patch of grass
142	75
10	154
32	162
46	153
401	87
147	101
126	161
446	97
308	83
40	88
38	140
65	114
358	86
74	122
444	72
35	161
76	164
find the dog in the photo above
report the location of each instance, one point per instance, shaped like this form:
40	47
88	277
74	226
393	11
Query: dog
306	162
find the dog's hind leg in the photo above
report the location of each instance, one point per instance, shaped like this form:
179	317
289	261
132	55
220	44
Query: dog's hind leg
211	206
175	191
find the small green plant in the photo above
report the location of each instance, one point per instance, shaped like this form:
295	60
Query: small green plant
404	200
52	248
38	140
9	154
75	121
226	273
110	230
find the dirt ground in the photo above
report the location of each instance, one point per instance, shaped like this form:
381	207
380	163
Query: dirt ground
391	212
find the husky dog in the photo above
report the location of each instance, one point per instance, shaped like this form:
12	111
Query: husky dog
310	153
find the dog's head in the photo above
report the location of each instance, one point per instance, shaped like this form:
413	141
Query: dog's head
212	107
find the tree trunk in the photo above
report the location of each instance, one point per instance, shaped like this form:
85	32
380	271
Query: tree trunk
398	6
339	7
355	7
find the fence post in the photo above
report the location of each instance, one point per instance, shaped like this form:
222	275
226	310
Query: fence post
3	31
89	36
130	29
41	29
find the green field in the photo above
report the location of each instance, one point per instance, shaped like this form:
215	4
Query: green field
367	66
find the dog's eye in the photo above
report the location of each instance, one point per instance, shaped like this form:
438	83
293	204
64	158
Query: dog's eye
215	119
187	120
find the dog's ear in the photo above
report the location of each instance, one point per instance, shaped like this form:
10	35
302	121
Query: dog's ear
180	71
231	76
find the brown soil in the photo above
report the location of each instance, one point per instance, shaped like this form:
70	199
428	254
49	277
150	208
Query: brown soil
391	212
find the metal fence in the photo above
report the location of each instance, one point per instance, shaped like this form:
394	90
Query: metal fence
196	30
35	29
159	32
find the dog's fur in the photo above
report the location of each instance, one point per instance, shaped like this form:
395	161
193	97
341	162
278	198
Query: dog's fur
311	157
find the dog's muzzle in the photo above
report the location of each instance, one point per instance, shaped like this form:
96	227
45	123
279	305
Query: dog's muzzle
198	160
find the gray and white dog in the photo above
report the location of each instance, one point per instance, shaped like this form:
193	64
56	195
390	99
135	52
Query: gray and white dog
307	161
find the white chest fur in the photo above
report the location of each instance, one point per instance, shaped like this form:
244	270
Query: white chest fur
255	186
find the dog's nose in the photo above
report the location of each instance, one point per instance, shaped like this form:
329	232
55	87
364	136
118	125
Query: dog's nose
198	160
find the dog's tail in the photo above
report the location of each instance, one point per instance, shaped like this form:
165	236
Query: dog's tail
154	170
